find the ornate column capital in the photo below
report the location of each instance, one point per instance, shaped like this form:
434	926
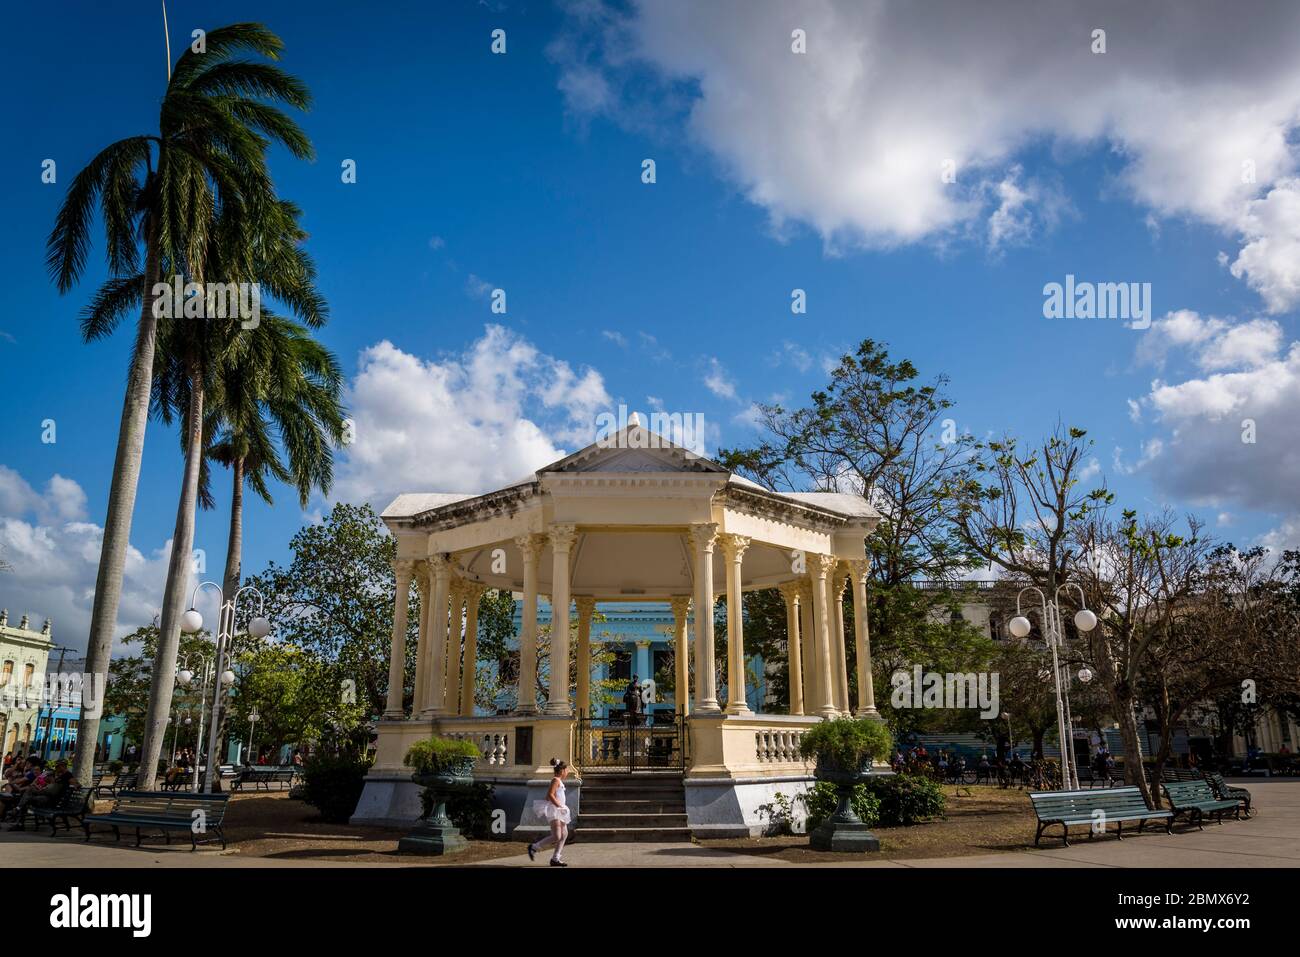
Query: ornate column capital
530	546
439	566
473	590
703	535
859	569
790	590
562	536
819	566
586	605
733	546
838	579
681	605
403	568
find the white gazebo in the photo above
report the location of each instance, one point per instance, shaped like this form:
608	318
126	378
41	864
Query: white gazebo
632	518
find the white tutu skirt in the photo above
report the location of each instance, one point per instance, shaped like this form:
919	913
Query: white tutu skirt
549	812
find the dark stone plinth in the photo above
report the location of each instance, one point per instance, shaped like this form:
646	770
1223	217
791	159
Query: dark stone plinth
852	837
433	840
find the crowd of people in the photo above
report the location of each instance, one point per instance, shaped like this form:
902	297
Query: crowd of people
31	782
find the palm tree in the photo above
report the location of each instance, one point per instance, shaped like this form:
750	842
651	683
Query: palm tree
258	242
287	385
164	192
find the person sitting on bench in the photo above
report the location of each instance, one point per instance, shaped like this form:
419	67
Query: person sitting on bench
46	796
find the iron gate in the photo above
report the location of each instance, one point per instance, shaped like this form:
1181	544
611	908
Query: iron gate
617	744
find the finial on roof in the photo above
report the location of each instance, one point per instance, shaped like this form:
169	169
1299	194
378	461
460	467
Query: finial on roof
23	624
4	616
49	623
634	419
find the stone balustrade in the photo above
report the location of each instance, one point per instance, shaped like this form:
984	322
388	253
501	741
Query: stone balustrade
778	746
494	744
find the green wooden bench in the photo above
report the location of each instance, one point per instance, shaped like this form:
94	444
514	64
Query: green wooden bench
1195	799
165	812
1068	808
1226	792
72	803
263	778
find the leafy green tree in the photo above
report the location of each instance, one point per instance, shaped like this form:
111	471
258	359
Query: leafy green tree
880	432
161	194
335	599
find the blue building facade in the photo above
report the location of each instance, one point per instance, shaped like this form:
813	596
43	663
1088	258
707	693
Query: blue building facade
640	635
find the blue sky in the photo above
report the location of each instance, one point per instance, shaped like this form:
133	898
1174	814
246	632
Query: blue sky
523	172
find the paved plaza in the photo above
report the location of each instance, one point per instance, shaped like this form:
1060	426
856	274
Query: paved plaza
1271	839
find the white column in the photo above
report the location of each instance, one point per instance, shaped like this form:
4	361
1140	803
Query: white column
425	584
530	546
402	571
839	656
586	606
473	593
808	638
733	547
703	535
435	698
457	592
793	653
681	651
562	538
866	691
820	567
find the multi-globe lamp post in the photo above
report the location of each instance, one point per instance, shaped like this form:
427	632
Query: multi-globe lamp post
1054	633
192	622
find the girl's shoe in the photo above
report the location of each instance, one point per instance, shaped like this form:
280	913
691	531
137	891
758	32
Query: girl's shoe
555	863
532	852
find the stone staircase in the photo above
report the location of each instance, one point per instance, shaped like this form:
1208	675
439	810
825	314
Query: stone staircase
645	806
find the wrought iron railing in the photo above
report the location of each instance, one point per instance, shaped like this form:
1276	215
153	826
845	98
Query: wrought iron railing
626	745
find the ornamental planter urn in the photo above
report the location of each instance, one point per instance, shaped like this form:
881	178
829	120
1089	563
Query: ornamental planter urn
843	831
436	835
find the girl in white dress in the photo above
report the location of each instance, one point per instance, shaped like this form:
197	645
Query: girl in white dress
556	811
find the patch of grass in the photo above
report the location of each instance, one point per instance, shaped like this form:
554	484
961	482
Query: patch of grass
980	820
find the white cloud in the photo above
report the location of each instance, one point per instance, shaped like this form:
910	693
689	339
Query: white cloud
617	338
717	381
477	287
1198	103
464	423
54	557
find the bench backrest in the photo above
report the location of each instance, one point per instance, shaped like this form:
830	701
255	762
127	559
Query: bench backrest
170	806
1189	792
1058	804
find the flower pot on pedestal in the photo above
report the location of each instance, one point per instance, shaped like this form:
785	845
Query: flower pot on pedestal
436	835
843	830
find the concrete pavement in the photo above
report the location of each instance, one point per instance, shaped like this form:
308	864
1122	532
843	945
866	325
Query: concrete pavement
1271	839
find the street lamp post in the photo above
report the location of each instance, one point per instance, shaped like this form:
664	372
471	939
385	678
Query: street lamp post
184	678
252	722
1054	633
223	677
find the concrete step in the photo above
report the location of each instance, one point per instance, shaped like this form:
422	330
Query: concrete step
621	835
622	821
595	805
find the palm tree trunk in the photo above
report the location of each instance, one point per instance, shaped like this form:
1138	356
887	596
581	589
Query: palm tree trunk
178	579
117	525
235	542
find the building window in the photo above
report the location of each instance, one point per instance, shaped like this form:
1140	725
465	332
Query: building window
6	673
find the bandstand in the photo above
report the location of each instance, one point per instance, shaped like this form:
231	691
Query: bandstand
632	518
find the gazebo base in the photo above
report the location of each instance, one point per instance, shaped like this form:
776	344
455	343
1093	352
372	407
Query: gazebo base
845	837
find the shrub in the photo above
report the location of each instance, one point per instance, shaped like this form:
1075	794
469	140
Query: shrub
822	799
470	809
333	784
906	798
780	815
846	743
431	756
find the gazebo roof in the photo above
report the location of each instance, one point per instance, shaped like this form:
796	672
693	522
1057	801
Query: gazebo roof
634	450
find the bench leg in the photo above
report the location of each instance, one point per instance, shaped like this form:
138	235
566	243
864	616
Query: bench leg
1119	830
1065	834
1038	835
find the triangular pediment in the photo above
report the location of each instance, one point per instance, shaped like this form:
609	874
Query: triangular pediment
634	449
